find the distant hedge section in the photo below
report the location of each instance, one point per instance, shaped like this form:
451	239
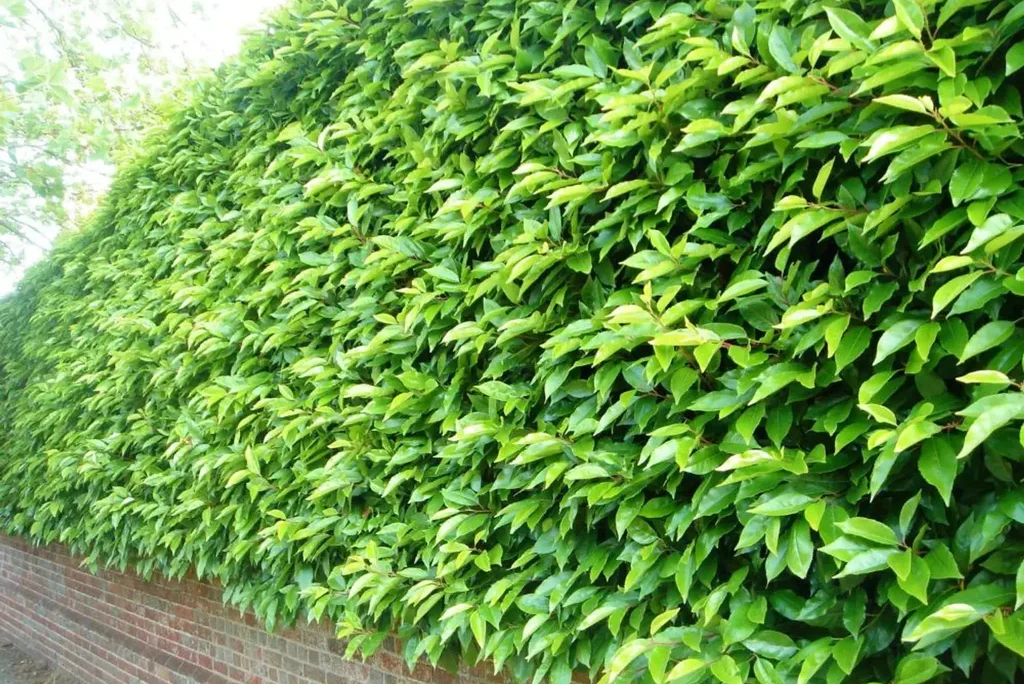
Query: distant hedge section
664	342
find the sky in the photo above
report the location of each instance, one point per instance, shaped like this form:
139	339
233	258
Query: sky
220	36
203	43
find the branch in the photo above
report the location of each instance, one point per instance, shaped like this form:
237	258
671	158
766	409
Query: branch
66	48
15	231
126	31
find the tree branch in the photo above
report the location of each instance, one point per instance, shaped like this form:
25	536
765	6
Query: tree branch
126	31
62	39
18	233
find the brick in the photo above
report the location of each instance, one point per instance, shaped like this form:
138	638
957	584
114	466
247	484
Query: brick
118	628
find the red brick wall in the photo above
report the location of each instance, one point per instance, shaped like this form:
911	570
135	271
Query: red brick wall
114	628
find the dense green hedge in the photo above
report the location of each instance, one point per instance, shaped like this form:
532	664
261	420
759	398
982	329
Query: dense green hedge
671	341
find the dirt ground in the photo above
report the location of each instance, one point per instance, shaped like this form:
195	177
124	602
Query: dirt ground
18	667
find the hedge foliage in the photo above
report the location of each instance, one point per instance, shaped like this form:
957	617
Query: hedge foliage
666	341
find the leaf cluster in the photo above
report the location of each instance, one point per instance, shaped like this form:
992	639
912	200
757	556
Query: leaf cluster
666	342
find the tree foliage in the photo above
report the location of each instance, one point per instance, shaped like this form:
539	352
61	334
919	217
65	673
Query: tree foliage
658	341
79	83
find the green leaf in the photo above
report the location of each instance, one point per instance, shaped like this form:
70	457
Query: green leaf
938	466
771	644
785	503
890	140
951	290
924	338
479	628
598	615
949	221
581	263
824	139
686	667
871	387
999	412
776	378
742	288
626	654
800	551
871	530
1020	587
815	657
895	338
834	333
572	193
985	377
917	580
993	227
942	564
586	471
726	670
913	432
976	179
854	612
944	58
990	335
855	342
880	413
846	652
780	45
1015	58
445	185
765	672
778	424
948	619
851	27
456	610
867	562
916	668
911	16
906	102
822	178
1008	632
901	564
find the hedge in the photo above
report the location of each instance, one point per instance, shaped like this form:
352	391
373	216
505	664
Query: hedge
674	342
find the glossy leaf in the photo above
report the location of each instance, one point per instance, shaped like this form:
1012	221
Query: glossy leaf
567	339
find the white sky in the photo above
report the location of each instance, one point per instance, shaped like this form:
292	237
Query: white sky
228	19
206	44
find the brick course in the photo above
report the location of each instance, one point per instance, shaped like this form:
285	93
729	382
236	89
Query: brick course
115	628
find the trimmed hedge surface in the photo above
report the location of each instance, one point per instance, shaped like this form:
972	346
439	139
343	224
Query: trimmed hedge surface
675	342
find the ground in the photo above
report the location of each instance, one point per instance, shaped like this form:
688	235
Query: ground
18	667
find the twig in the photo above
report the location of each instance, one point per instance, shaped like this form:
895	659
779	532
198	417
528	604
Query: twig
66	48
